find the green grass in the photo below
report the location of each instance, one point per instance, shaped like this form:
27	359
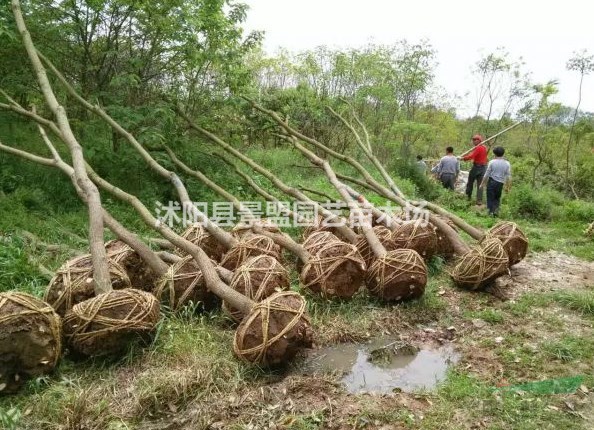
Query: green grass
189	370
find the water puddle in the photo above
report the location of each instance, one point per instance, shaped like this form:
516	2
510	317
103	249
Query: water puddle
383	365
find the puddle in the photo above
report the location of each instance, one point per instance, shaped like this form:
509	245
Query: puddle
383	365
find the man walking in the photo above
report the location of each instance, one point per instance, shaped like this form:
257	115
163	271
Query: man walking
479	165
497	175
447	169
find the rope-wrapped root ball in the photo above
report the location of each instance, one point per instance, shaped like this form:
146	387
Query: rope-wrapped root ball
183	284
257	278
250	246
400	274
73	283
140	274
199	236
513	239
337	270
245	228
319	225
445	247
384	235
109	323
274	331
481	265
30	339
317	240
418	235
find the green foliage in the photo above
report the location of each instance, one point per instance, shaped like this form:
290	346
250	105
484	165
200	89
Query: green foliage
528	203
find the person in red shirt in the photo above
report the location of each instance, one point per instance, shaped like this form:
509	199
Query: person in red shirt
479	166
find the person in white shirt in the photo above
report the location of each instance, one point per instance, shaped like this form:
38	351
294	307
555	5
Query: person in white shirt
497	176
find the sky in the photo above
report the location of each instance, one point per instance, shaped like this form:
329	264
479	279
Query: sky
544	33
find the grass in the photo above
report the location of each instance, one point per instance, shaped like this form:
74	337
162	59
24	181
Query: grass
189	378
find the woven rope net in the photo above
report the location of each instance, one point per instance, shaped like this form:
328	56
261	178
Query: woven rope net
481	265
274	331
319	225
247	247
257	278
444	247
199	236
384	235
109	323
513	239
30	339
337	270
183	284
401	274
140	274
73	282
418	235
316	240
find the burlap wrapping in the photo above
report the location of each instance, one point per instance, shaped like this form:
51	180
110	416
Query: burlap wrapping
418	235
513	239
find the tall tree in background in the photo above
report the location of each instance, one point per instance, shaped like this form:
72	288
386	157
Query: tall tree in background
582	63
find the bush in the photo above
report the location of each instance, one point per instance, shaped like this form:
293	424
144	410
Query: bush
526	202
577	210
407	169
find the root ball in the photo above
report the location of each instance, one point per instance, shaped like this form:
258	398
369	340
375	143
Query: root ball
337	270
274	331
384	235
140	274
247	247
317	240
30	339
513	239
109	323
481	265
183	283
401	274
73	283
200	237
418	235
257	278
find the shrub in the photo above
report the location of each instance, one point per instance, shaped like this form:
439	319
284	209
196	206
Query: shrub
526	202
577	210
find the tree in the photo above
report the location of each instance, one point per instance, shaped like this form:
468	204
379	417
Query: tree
582	63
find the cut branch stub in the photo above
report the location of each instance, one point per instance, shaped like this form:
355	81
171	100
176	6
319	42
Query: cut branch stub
73	283
250	246
274	331
481	265
337	270
183	283
513	239
418	235
30	339
398	275
109	323
257	278
199	236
